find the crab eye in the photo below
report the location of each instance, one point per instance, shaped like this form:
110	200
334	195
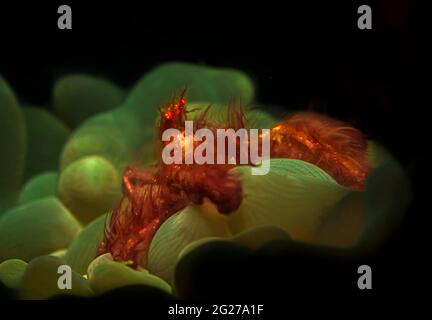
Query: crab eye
182	102
168	115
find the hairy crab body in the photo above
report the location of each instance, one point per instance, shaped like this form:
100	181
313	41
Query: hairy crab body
152	195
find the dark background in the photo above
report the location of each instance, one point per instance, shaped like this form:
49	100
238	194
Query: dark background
309	55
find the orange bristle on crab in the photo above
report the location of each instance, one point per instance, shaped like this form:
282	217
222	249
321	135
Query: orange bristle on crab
336	147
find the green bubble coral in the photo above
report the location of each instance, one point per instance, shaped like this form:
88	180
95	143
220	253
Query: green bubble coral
46	136
11	272
79	96
83	248
36	228
12	146
215	85
105	274
177	232
40	280
40	186
89	187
